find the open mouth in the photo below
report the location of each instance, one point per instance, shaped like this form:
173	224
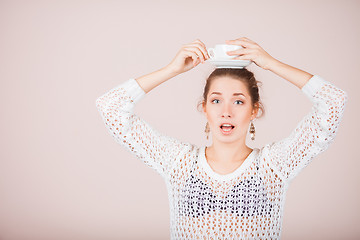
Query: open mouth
227	127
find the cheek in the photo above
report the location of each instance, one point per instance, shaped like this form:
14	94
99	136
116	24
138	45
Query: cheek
243	124
210	117
244	115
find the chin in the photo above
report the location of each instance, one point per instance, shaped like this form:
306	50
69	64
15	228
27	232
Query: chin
228	139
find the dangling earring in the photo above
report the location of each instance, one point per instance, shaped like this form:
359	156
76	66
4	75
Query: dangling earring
252	131
207	130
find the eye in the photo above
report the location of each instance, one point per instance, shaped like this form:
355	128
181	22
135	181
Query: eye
237	101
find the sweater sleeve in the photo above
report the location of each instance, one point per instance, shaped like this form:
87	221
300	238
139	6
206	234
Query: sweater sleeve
313	134
158	151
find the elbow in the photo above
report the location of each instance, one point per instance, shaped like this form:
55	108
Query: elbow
340	100
117	122
344	98
335	116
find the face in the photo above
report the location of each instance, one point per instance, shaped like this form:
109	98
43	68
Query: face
228	101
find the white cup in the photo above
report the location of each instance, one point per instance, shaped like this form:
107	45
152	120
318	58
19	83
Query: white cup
219	51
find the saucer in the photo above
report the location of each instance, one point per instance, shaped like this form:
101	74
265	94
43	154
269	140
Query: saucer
225	63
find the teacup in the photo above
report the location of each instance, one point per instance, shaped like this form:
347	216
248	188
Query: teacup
219	51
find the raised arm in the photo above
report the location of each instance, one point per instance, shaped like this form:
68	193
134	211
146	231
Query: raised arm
252	51
316	131
189	56
155	149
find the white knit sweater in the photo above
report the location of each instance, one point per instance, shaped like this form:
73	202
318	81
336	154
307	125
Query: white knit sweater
245	204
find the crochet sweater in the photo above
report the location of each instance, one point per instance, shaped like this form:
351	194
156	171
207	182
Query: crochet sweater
245	204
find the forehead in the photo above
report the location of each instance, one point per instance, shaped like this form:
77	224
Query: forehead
228	86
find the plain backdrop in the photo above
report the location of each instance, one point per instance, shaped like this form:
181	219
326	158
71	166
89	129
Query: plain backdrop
62	175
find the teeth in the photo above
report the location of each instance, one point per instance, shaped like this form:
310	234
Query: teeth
227	130
227	125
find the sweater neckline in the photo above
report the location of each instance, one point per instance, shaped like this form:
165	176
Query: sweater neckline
204	163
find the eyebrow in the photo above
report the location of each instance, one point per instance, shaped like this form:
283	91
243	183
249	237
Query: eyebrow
235	94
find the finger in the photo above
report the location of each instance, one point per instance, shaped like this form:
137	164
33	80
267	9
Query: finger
244	39
242	43
193	55
204	52
240	51
203	48
245	57
197	51
200	42
196	61
197	43
250	41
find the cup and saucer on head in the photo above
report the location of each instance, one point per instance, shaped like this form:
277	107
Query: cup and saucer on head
221	59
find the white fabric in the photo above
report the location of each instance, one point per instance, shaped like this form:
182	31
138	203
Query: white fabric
245	204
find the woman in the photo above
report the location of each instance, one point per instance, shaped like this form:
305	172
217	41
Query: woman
226	190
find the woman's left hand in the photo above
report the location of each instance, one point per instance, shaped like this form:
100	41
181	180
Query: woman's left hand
251	51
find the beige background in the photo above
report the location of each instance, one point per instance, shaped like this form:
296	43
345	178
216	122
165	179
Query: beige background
62	176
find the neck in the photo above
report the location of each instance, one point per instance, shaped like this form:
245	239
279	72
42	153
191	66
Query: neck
228	152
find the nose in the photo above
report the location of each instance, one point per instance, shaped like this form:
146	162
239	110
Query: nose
226	111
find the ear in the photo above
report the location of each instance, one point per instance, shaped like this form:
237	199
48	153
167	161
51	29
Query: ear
204	107
255	111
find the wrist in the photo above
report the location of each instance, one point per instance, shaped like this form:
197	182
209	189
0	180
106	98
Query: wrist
169	71
273	65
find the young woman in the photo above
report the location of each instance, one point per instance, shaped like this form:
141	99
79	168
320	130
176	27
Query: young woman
226	190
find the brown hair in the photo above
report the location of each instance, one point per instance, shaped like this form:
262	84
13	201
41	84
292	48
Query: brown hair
242	74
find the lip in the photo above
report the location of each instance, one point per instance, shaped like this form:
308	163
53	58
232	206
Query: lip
227	132
226	123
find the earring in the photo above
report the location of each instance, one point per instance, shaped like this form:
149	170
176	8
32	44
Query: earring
252	131
207	130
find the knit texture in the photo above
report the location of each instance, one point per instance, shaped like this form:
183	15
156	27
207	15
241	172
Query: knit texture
245	204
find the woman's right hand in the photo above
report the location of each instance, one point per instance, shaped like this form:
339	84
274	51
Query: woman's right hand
188	57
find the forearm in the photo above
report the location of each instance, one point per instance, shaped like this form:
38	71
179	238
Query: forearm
294	75
151	80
